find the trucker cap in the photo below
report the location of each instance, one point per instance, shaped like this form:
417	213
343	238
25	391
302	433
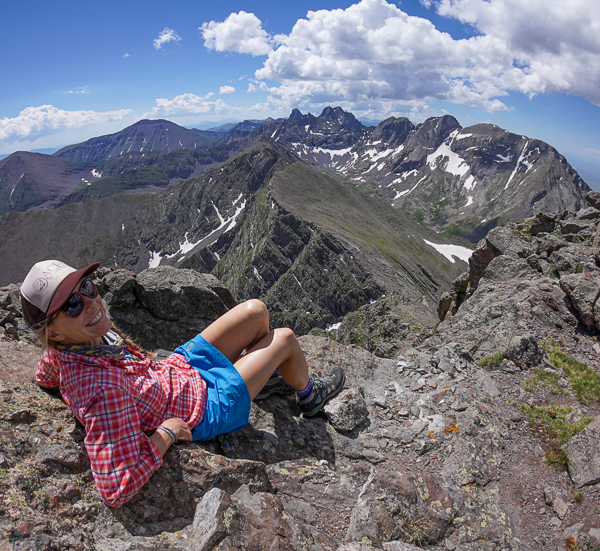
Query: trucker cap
47	287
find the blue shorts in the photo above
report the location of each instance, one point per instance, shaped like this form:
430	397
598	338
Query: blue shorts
228	401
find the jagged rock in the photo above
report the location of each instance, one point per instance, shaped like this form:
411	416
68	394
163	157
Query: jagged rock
573	260
505	242
550	244
444	305
399	546
347	410
171	294
560	507
583	451
119	287
525	351
376	515
572	533
507	268
589	213
452	357
499	241
583	291
574	225
543	222
593	199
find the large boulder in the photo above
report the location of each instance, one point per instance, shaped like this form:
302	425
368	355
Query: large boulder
583	451
164	307
583	290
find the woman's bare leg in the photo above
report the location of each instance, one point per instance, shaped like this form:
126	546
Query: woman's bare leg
246	327
239	329
279	349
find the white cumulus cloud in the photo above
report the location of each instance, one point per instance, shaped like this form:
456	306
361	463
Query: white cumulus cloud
225	90
189	104
241	32
373	51
555	43
35	122
166	35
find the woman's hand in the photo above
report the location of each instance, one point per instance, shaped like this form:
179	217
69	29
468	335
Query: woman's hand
180	428
163	441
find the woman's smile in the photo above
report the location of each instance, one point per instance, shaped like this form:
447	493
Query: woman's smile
96	319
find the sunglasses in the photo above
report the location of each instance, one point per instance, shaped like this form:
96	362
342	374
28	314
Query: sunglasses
74	304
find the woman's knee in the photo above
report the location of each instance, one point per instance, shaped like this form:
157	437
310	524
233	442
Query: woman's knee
285	337
256	309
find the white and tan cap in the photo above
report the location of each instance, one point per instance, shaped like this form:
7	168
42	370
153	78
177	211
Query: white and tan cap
47	287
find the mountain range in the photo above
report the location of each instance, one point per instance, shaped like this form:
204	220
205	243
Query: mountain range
460	181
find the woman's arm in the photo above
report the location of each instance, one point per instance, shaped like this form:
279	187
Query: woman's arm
163	441
122	456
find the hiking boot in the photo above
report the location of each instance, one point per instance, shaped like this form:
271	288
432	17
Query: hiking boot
324	388
275	385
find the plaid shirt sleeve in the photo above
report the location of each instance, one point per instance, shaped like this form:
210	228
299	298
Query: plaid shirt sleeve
47	374
122	457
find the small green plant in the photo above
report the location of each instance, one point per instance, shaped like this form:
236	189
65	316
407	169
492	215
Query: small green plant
587	546
541	377
584	381
579	269
557	459
412	529
553	418
491	361
578	496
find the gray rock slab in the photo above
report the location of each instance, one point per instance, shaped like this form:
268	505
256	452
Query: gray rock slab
208	527
347	410
583	290
584	455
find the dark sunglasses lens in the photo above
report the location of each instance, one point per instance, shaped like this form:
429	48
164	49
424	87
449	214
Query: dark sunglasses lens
88	289
74	306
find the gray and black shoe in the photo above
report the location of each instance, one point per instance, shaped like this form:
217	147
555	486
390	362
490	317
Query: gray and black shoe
275	385
324	388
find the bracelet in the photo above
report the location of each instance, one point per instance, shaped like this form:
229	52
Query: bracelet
169	432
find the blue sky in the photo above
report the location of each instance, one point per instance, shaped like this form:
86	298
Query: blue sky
74	70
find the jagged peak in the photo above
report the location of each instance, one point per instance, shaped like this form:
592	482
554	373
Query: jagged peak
337	114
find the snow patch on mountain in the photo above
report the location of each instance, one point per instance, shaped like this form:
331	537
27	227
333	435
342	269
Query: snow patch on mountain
456	164
451	251
521	158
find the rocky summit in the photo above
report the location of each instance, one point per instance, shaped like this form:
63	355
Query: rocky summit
481	436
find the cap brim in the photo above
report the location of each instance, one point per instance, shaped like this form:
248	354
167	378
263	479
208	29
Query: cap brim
66	288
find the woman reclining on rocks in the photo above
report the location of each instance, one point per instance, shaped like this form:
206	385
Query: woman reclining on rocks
134	407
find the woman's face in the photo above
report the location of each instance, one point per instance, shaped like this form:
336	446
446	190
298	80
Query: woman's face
86	328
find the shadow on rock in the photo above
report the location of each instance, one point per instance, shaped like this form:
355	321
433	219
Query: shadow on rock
276	432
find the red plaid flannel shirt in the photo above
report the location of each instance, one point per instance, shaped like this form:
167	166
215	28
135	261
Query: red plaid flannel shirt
120	402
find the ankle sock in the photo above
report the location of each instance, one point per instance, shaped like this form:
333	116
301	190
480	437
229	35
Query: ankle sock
275	374
305	392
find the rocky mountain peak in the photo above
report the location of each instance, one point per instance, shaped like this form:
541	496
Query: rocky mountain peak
392	131
341	117
297	114
483	435
434	131
143	137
